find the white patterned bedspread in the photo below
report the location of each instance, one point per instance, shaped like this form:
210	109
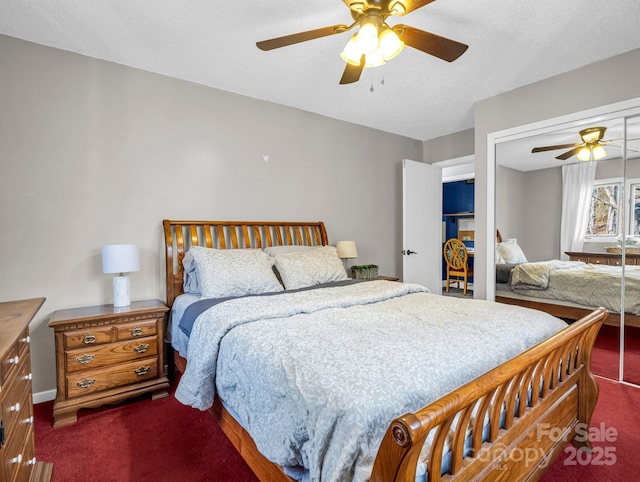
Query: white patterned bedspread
316	377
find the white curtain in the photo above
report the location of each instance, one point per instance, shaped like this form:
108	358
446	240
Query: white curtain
577	188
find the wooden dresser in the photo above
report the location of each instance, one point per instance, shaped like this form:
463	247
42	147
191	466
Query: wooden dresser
17	448
106	354
613	259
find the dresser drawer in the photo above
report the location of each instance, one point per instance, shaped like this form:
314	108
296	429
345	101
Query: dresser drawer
110	354
86	382
16	405
19	457
8	364
109	333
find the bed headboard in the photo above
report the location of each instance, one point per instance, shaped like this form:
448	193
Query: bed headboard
179	236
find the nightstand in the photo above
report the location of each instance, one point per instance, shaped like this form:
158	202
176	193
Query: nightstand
388	278
106	354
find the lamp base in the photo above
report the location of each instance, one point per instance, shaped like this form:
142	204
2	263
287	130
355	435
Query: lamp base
121	291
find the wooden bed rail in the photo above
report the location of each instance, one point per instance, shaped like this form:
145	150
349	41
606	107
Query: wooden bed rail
181	235
525	401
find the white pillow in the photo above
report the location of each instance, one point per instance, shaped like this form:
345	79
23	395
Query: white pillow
274	250
511	252
233	272
499	258
309	268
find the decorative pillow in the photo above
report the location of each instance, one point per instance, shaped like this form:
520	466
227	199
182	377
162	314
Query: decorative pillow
499	258
309	268
511	252
274	250
190	279
233	272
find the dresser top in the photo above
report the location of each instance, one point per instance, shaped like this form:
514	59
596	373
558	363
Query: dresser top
14	318
105	311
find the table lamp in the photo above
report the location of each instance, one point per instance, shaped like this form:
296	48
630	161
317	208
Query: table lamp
347	250
121	259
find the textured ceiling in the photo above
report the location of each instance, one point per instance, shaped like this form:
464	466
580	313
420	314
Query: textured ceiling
212	42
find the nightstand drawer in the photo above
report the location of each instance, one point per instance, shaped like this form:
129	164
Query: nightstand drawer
108	334
87	382
110	354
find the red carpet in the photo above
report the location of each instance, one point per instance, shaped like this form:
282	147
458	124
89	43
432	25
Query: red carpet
140	440
162	440
606	353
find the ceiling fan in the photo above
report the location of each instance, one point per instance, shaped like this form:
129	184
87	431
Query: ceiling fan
591	147
376	42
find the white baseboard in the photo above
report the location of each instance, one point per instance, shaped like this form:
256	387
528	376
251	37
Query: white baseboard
44	396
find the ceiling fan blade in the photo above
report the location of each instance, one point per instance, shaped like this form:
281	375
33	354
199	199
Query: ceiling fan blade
620	147
409	5
276	43
551	148
568	154
352	73
430	43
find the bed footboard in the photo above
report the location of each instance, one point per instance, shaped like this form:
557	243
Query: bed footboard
509	424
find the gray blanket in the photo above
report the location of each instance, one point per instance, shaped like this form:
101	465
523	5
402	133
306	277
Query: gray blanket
316	377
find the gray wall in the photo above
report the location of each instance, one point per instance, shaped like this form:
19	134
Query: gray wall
602	83
451	146
528	207
95	153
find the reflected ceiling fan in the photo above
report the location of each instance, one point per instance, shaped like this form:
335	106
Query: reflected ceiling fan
591	147
375	42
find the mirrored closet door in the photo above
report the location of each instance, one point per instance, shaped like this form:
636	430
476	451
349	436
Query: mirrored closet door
567	209
631	359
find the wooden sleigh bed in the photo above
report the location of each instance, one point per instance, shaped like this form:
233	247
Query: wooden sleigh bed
560	308
519	448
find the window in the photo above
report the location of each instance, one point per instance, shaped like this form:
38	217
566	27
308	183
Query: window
635	209
604	214
606	208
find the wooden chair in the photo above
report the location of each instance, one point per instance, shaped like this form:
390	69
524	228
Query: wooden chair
456	257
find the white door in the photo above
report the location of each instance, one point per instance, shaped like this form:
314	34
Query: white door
422	224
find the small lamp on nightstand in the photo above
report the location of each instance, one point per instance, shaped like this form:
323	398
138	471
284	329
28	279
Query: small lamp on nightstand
121	259
347	250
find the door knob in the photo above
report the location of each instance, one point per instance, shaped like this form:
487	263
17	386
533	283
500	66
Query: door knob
408	251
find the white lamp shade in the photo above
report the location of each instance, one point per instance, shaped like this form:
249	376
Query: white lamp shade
347	249
120	258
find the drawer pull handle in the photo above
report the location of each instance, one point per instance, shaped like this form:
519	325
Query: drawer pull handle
14	408
28	377
86	383
84	359
32	461
89	339
137	331
141	348
17	459
142	371
14	360
28	420
26	339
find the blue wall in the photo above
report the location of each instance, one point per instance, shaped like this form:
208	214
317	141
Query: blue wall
457	197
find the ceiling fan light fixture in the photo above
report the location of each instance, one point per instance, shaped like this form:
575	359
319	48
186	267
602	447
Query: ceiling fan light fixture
390	44
584	154
367	38
598	152
351	53
592	134
374	59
